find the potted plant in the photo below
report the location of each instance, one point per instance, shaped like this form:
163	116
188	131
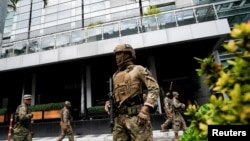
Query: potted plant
47	111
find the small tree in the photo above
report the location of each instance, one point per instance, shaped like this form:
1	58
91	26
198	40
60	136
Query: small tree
233	80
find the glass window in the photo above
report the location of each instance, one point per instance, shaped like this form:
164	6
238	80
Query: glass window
7	29
22	24
7	51
35	33
86	9
63	27
118	16
205	14
23	9
22	36
87	2
50	30
61	1
129	27
78	11
24	2
8	22
23	16
34	46
48	43
97	7
149	23
166	20
39	5
64	6
64	14
52	2
51	9
36	13
79	3
20	48
78	37
51	17
185	17
111	31
94	34
62	40
35	21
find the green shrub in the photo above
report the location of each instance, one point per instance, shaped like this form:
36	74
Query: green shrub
232	80
3	111
96	109
48	106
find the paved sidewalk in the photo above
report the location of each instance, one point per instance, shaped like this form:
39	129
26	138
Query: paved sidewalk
157	134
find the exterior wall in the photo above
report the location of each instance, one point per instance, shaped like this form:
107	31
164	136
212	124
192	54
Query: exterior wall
3	10
144	40
183	3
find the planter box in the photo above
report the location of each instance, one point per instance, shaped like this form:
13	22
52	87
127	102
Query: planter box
1	118
37	115
52	114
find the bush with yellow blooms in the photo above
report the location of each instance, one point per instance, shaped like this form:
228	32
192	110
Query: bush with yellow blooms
233	80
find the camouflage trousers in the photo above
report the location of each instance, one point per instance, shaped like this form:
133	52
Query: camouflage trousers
21	134
179	122
68	132
126	129
167	122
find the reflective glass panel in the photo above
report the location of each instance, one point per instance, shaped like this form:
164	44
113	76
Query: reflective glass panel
77	37
129	27
166	20
185	17
62	40
48	43
111	31
20	48
34	46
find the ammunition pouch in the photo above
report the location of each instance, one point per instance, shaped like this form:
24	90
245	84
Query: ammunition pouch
131	106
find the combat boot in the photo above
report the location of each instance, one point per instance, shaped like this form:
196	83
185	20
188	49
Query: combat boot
163	129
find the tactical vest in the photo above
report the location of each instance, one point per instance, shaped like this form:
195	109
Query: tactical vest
126	84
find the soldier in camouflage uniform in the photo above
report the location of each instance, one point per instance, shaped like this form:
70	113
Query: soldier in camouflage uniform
132	120
23	116
178	120
65	123
168	110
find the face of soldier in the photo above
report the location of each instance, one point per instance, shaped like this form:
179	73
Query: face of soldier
27	101
118	57
122	57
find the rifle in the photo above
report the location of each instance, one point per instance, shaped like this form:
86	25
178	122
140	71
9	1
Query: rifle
170	88
111	101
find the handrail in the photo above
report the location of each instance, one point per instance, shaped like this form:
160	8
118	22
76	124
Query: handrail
163	20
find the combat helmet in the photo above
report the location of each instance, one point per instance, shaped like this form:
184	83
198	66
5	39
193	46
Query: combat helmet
125	48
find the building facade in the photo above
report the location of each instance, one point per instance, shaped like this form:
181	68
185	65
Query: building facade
65	50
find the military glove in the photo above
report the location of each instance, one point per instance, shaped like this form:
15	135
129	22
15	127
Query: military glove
143	118
107	106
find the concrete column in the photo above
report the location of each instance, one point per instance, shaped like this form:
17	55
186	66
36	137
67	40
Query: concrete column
88	86
33	88
152	69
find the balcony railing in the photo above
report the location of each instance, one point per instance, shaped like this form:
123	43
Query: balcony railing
164	20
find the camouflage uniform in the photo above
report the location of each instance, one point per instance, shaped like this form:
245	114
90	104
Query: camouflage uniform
65	124
178	120
128	96
22	125
169	113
